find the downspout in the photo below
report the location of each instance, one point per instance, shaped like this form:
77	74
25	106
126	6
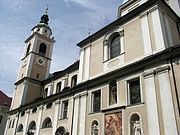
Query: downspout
175	84
16	124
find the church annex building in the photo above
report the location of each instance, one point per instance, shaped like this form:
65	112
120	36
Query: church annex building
126	81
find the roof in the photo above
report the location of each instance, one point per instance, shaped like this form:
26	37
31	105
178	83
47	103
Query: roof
58	74
5	100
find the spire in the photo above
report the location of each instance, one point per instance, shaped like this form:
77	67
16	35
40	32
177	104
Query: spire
45	18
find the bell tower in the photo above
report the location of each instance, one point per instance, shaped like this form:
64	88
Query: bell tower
35	63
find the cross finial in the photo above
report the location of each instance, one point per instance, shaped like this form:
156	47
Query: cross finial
46	12
89	33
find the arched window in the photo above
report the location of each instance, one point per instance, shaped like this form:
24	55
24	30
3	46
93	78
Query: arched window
114	47
94	127
22	113
135	124
20	128
34	110
112	92
74	81
60	131
46	92
49	105
28	49
42	49
47	123
32	125
58	87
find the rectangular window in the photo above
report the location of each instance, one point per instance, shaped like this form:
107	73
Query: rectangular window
58	87
74	81
1	117
96	104
134	91
64	109
9	124
13	123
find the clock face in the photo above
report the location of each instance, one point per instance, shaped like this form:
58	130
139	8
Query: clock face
40	61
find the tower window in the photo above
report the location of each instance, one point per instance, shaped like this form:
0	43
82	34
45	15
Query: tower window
37	76
112	92
28	49
96	104
42	49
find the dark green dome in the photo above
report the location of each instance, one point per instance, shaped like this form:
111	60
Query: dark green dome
44	19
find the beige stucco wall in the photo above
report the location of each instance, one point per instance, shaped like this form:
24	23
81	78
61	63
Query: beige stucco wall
34	91
96	57
17	97
133	39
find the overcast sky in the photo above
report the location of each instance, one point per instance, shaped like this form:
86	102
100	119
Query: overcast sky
70	21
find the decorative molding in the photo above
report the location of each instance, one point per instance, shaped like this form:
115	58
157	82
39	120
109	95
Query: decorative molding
84	94
149	74
153	8
144	14
162	69
76	96
41	107
57	102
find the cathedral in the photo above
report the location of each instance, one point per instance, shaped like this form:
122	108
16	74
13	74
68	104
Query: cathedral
126	81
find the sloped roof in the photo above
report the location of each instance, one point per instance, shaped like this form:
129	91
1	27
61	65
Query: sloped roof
58	74
5	100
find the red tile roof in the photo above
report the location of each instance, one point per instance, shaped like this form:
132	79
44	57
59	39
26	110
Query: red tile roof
5	100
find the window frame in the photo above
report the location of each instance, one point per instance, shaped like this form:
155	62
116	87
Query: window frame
45	123
20	128
59	89
42	49
73	80
93	101
111	46
128	91
63	110
107	42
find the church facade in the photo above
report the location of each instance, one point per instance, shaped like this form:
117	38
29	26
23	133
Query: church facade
126	81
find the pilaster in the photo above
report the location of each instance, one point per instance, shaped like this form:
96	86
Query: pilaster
26	122
39	119
168	113
55	120
151	102
76	115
